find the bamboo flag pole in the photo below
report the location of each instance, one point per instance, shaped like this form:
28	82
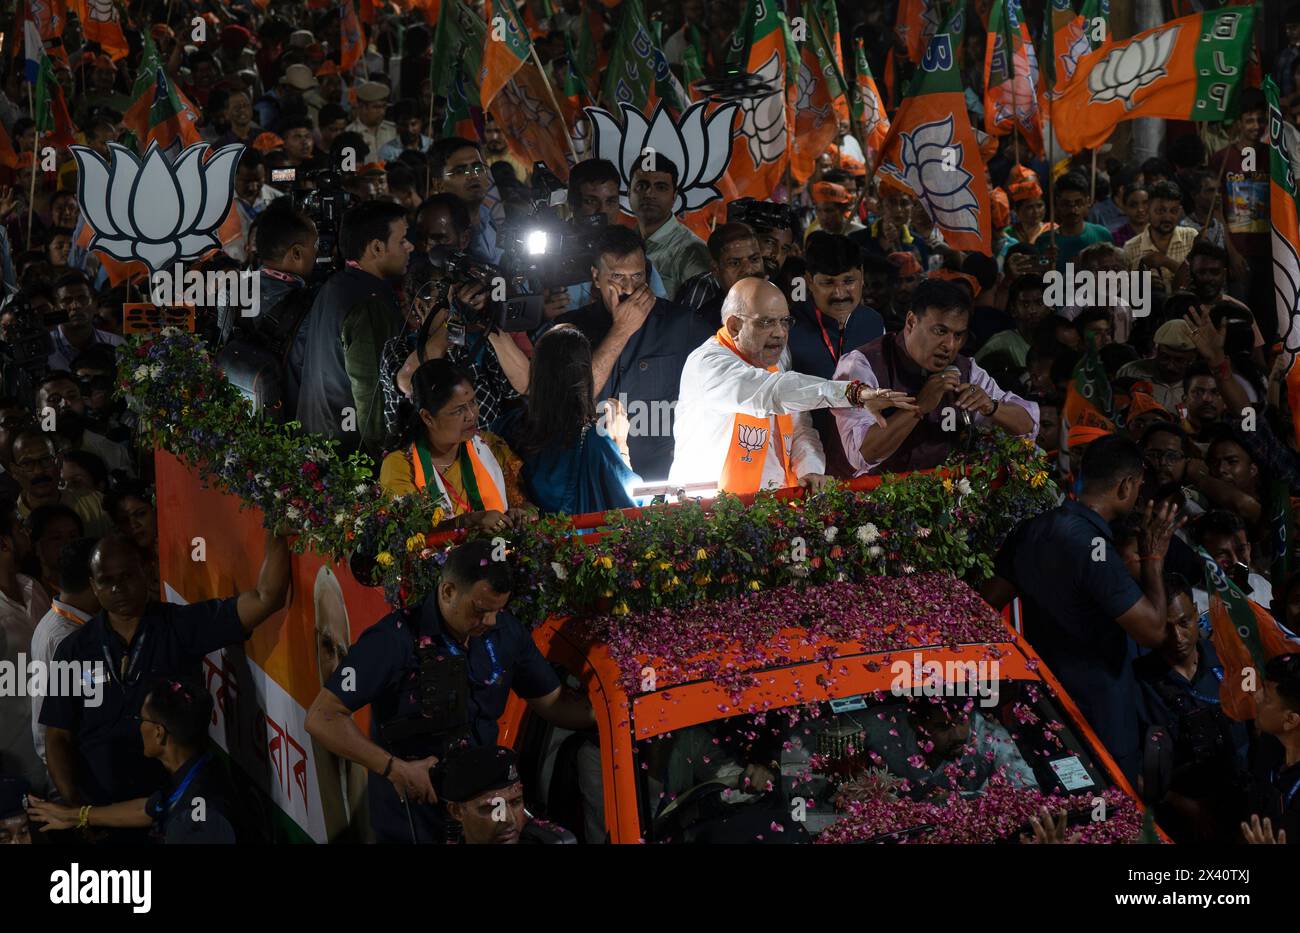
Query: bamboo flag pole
1092	190
532	49
31	194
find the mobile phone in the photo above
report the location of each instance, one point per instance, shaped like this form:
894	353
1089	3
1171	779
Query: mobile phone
280	176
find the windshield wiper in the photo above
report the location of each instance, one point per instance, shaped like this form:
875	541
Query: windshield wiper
895	836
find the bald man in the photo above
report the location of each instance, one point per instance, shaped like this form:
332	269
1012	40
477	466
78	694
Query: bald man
742	418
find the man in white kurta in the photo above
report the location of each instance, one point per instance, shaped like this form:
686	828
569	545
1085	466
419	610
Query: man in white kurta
741	373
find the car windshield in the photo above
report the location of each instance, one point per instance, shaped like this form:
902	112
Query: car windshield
875	768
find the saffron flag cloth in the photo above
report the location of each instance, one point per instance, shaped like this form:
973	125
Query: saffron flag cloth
352	37
50	17
51	109
918	21
1011	77
742	471
829	14
527	119
932	150
101	22
819	86
868	107
1246	637
1064	43
1088	398
506	49
761	149
160	111
1186	69
1285	228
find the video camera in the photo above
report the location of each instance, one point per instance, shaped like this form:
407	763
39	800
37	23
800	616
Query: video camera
324	202
25	351
508	308
767	215
545	250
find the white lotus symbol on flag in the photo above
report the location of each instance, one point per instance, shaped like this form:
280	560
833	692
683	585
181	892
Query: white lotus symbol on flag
1123	72
151	210
807	86
943	185
764	120
1286	286
699	147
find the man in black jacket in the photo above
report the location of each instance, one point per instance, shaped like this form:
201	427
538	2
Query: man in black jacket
337	351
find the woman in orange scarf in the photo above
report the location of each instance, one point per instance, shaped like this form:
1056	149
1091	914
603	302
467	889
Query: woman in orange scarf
473	472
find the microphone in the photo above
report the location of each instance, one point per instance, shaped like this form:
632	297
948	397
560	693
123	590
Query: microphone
965	415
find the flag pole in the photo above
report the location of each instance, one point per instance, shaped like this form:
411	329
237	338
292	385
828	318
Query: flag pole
1092	190
532	50
31	194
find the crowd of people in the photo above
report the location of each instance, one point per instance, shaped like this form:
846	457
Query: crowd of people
828	332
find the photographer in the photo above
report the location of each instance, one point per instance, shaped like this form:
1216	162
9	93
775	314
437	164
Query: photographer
465	653
594	190
336	353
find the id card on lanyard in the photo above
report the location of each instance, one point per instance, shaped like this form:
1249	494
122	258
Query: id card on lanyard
125	674
837	351
457	651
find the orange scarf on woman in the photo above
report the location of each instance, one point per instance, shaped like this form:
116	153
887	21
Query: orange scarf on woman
741	471
481	490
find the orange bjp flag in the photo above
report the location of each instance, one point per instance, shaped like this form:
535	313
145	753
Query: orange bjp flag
932	149
352	38
1186	69
762	140
101	22
507	46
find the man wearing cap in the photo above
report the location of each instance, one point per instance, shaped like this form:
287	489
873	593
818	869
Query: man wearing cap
925	361
1175	350
459	643
674	250
832	204
288	99
372	105
486	797
742	417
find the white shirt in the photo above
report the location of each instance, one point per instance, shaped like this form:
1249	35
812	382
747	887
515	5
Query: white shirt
17	621
49	634
1261	592
717	385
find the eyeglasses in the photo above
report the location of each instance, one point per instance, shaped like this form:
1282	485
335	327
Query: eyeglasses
461	171
1164	456
138	718
767	323
39	463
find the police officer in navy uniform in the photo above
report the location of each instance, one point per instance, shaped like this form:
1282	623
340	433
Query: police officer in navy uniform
95	753
436	677
485	796
194	804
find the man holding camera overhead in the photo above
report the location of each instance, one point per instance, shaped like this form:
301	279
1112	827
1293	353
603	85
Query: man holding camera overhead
436	677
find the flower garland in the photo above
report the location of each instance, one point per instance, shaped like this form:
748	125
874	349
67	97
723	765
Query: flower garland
661	558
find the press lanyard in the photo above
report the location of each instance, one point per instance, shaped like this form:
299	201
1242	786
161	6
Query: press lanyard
129	675
1289	795
67	615
176	794
492	656
834	352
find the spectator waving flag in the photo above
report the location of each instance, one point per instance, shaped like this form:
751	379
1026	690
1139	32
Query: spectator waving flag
1286	246
506	49
1088	399
1246	637
1186	69
530	123
1011	76
352	37
932	150
868	107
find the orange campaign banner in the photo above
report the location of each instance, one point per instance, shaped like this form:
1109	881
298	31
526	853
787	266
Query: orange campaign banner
1186	69
210	548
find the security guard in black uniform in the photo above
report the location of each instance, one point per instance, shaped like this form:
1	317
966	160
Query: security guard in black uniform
436	677
485	797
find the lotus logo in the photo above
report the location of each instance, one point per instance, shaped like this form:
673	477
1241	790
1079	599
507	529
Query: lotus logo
1286	286
156	212
1124	71
807	87
699	147
764	117
103	11
946	193
750	438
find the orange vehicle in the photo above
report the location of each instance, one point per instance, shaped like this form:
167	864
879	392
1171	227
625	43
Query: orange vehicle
823	714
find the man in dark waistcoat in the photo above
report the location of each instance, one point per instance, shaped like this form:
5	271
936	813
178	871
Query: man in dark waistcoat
953	393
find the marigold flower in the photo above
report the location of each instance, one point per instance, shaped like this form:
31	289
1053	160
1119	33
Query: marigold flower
384	559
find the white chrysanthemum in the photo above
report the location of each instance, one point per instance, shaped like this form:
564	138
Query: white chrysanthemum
560	572
875	550
868	533
141	373
830	533
963	486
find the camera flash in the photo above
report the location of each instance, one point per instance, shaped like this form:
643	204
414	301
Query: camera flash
535	242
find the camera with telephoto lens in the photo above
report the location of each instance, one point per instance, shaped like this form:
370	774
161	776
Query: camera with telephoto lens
25	350
545	250
325	203
507	307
